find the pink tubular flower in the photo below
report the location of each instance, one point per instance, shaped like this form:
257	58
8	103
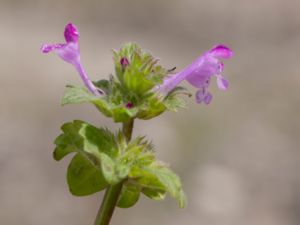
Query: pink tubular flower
200	72
70	53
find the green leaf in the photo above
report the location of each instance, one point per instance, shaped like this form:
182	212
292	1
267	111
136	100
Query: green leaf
173	102
142	73
97	140
63	148
103	106
148	182
76	94
170	181
103	85
122	170
138	153
83	177
121	114
154	194
129	196
135	81
152	107
81	137
112	171
108	169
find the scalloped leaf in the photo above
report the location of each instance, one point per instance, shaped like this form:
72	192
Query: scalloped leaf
79	136
76	94
153	194
113	172
83	177
129	196
170	181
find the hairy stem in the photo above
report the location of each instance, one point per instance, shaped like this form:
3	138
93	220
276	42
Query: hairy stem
112	193
127	129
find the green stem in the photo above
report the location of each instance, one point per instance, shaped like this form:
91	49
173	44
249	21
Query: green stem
108	204
127	129
113	191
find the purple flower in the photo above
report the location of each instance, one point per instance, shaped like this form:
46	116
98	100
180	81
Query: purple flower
200	72
129	105
70	53
124	62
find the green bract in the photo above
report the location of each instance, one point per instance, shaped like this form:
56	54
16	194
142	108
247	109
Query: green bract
131	92
103	158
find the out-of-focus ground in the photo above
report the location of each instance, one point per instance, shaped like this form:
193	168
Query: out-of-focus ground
239	157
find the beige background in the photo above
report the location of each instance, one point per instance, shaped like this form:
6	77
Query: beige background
239	157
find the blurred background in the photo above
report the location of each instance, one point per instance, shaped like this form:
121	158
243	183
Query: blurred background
239	157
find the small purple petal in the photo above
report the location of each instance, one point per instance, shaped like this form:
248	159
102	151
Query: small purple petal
221	51
124	62
222	83
203	96
129	105
69	53
48	48
221	67
71	33
208	97
199	81
200	94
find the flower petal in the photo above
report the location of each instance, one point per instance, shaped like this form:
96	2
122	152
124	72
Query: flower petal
71	33
202	69
222	83
199	96
221	51
48	48
171	82
208	97
69	53
124	62
203	96
199	81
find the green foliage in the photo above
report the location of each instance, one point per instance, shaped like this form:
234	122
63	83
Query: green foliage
156	179
84	178
113	172
142	73
103	159
173	102
86	139
129	196
77	94
169	180
84	172
132	92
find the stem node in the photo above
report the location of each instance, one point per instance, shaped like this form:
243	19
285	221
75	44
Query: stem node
112	193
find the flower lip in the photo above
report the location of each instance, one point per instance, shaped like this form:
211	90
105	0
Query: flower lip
48	48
